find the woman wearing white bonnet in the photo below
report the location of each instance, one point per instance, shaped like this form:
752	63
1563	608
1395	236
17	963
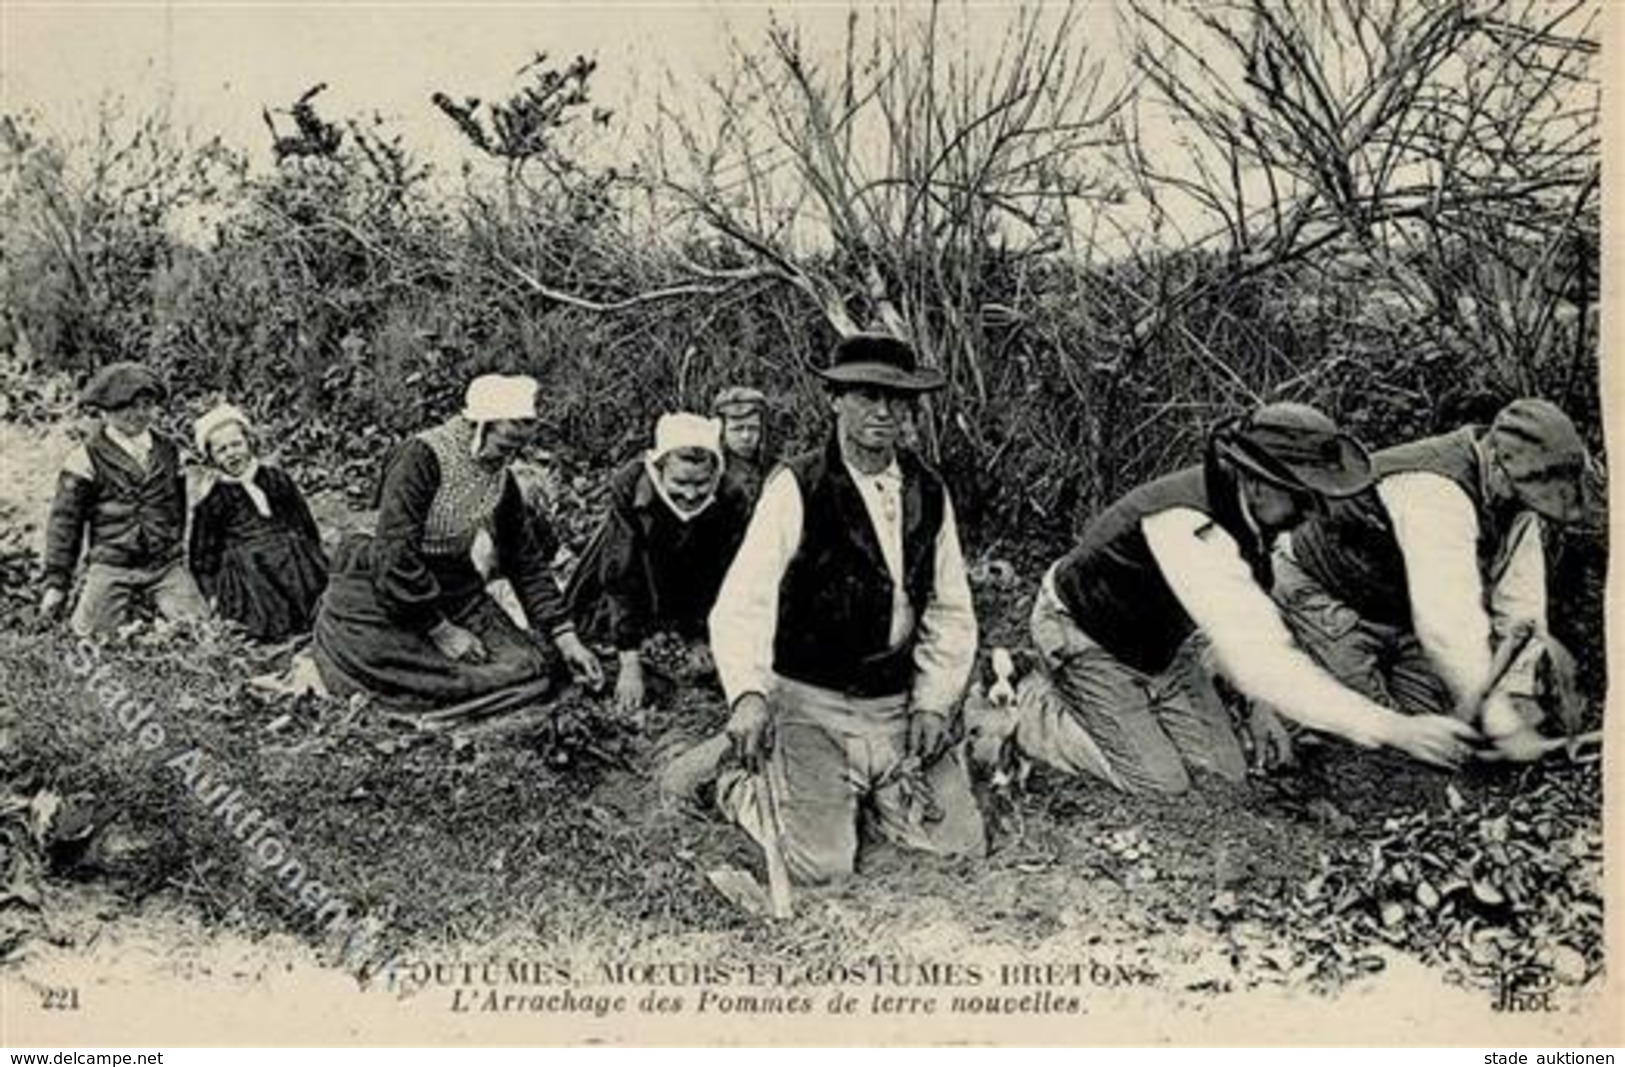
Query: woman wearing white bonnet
656	562
407	616
254	547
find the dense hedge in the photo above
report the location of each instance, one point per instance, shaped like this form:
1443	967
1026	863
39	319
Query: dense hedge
346	302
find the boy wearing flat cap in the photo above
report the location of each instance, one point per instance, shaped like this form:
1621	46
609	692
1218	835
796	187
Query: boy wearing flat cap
844	636
1404	590
742	411
1188	556
122	496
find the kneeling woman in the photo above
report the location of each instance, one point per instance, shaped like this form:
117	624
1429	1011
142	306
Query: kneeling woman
656	563
406	616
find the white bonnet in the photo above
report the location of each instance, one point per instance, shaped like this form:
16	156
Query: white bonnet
213	419
500	396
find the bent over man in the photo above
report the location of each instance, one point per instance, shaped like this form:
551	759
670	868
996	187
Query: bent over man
1404	590
844	636
1188	555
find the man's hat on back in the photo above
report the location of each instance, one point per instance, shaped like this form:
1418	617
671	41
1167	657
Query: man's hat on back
117	384
1544	457
1299	447
882	361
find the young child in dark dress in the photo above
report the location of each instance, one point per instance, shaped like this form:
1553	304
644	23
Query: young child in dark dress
255	549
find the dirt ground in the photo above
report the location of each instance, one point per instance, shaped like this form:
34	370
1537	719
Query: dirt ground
1060	892
1211	906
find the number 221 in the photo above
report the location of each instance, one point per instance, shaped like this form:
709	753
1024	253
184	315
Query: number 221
66	999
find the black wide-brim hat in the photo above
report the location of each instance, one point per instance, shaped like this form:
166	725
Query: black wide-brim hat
1300	447
879	360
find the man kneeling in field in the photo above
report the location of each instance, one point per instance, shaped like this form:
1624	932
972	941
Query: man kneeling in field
844	635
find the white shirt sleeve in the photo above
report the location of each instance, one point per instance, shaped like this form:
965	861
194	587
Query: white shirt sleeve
1203	566
1518	594
945	638
745	616
77	463
1437	531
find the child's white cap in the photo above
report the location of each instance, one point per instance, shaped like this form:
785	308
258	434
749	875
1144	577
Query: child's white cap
213	419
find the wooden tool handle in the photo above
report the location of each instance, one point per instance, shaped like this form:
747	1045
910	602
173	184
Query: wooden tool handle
778	874
1506	654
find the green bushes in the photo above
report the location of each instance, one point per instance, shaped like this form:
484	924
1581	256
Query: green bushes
347	293
347	302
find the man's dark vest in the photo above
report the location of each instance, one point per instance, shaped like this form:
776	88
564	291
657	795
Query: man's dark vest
137	518
1350	549
1112	586
835	600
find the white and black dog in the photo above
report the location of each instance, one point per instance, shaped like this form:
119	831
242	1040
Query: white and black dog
992	713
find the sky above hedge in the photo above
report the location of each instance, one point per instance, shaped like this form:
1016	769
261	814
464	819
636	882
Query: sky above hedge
215	65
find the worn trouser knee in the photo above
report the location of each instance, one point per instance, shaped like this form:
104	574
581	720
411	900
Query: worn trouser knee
1110	704
809	859
1156	777
810	868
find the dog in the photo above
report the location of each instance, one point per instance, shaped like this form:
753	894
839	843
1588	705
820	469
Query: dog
991	715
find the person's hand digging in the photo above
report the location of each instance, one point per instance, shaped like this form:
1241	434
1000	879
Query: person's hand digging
50	603
1272	745
583	664
1441	740
750	730
629	690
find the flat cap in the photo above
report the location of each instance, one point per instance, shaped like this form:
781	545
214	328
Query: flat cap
738	400
1540	449
117	384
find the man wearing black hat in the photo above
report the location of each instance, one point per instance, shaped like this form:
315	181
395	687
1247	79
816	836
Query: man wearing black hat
123	491
844	635
1404	590
1189	555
